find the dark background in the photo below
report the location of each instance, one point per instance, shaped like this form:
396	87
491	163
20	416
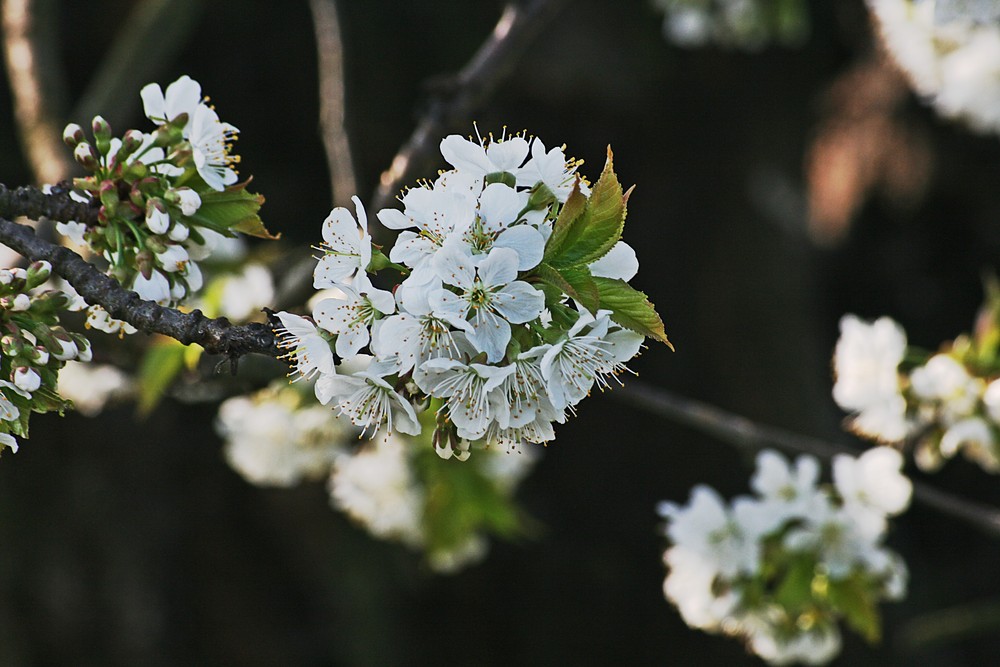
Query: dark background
126	542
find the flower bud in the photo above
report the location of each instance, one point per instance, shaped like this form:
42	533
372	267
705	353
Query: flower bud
21	303
167	135
85	154
11	346
38	273
179	232
109	197
6	277
37	355
131	142
102	134
26	378
73	135
157	218
156	244
187	199
84	351
67	349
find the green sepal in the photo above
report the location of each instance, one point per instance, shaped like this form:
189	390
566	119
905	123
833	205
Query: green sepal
631	309
586	229
574	281
232	210
160	366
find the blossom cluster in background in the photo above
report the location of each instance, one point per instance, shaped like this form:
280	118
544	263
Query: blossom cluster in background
513	301
941	403
781	568
748	25
393	488
951	52
165	198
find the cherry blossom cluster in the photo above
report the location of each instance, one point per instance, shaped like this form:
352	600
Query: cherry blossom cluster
513	301
748	25
781	568
33	348
166	197
943	403
951	53
395	490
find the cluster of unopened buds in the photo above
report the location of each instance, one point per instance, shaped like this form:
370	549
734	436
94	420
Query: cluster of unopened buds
941	404
779	569
513	300
34	347
165	197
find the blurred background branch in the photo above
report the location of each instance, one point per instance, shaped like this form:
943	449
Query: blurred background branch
751	437
457	98
330	61
38	85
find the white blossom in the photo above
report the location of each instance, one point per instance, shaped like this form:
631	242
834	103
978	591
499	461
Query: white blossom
352	316
489	292
369	401
347	247
182	96
376	487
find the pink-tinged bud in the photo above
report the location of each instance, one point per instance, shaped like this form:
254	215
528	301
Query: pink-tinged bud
85	154
157	218
131	142
73	135
102	134
39	355
11	346
26	379
101	128
38	273
67	348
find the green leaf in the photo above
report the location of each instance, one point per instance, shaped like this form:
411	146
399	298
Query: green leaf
631	308
160	366
461	500
569	217
232	210
855	599
587	236
794	590
574	281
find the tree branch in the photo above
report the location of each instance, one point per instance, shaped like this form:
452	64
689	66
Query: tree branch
470	87
217	336
750	436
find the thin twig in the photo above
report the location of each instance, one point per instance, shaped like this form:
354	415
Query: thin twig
37	85
330	60
471	87
751	436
